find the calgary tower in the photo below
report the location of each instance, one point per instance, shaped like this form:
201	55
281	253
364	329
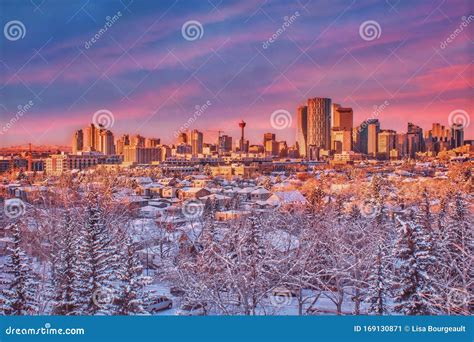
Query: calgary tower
242	141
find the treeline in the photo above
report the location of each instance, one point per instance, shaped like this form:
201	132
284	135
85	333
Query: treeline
358	254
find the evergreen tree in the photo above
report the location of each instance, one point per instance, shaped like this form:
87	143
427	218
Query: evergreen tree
97	261
254	228
132	298
376	188
441	223
18	296
339	209
315	197
424	216
459	249
65	271
377	200
379	284
412	284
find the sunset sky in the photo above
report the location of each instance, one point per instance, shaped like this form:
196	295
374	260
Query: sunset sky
151	78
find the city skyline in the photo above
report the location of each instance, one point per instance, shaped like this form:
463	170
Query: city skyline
272	131
152	80
215	133
325	130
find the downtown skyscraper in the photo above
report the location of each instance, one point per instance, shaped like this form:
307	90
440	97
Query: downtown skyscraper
319	123
77	141
302	130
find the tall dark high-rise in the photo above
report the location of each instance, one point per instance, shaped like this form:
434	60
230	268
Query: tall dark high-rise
197	141
302	130
387	141
342	117
341	132
319	122
457	135
415	139
225	144
367	134
401	144
373	130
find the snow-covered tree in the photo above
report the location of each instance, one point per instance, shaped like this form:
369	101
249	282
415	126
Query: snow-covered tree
315	197
413	257
458	251
97	259
359	240
18	296
65	272
132	295
378	291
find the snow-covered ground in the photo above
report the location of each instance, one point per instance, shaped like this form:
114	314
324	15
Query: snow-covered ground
274	305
